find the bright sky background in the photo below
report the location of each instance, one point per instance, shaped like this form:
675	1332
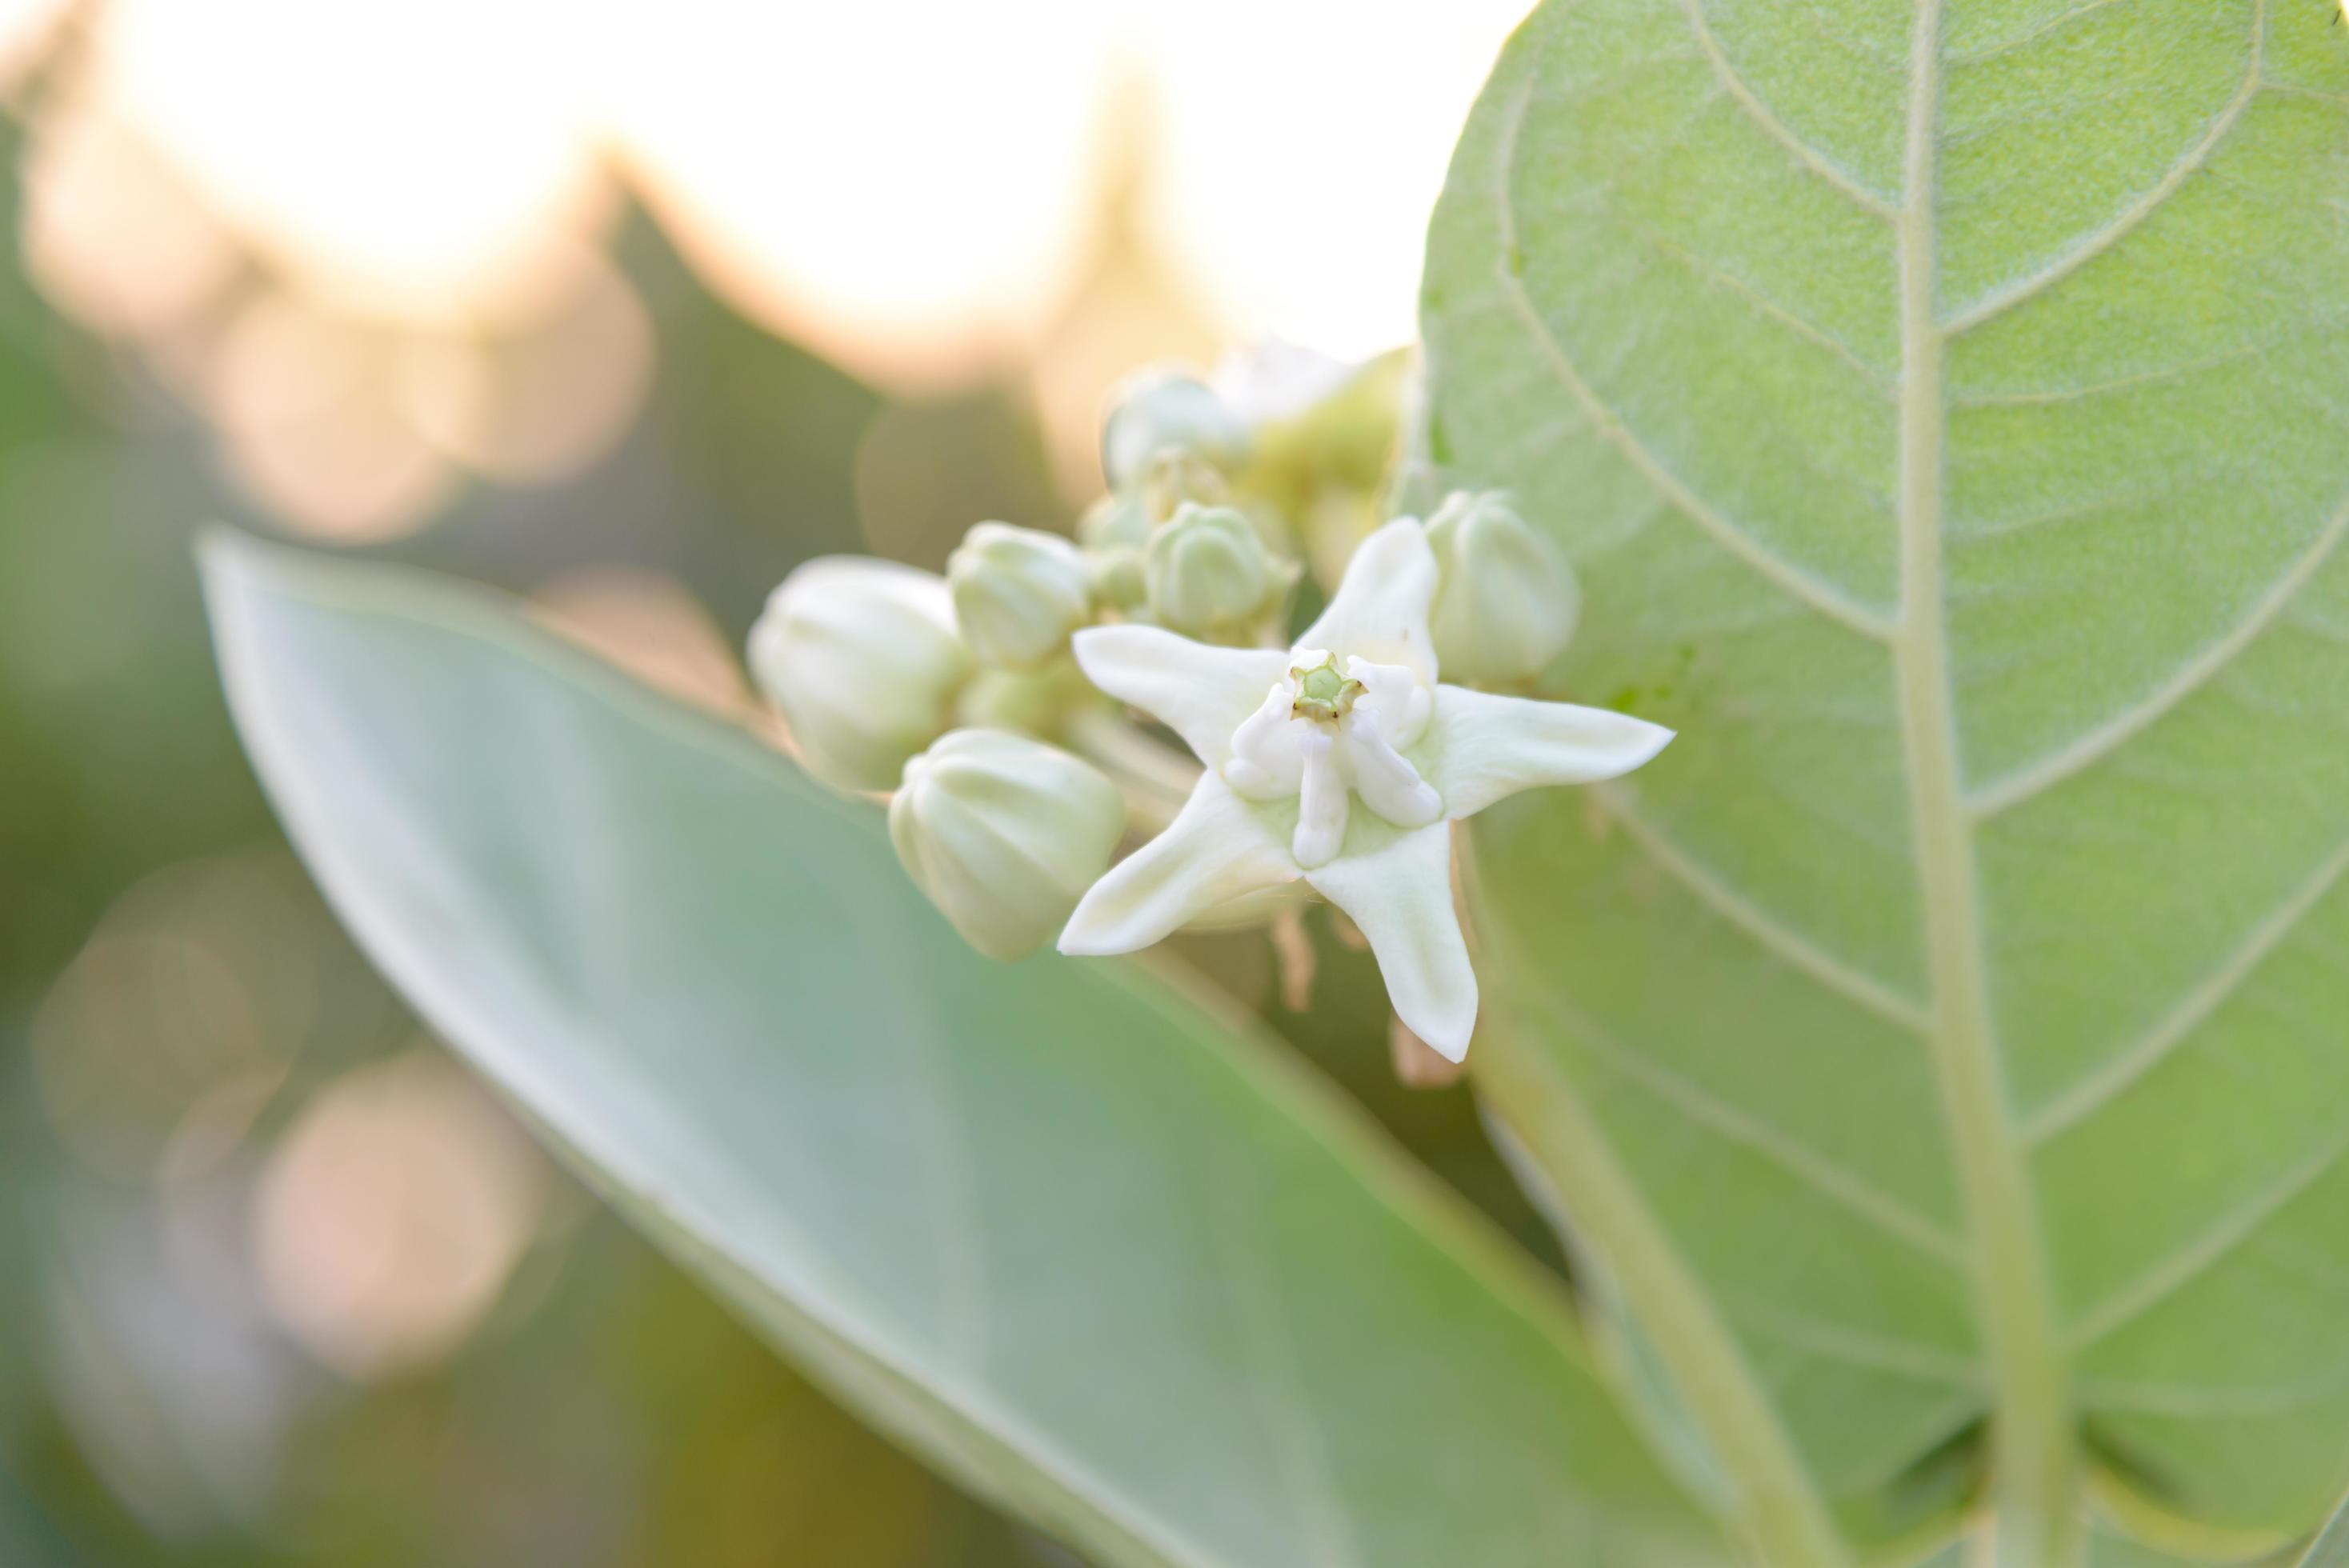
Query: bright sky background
900	182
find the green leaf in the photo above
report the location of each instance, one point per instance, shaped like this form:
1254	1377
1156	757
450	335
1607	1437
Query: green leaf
2106	1548
1085	1246
1944	407
2331	1547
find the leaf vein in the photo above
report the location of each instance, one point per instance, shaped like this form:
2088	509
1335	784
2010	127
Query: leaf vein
2067	511
2035	1444
1853	984
2206	1401
2060	395
2134	1061
1767	121
2036	778
2293	89
1998	300
2182	1267
1720	276
2021	40
1610	426
1823	1176
1860	1347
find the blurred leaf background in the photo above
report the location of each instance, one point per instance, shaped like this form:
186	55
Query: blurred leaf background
629	309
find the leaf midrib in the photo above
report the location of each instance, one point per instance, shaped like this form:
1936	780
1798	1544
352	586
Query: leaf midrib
2030	1356
2028	1371
2036	1460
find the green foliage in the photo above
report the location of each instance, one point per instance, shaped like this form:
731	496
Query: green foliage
2331	1547
1067	1234
1938	1051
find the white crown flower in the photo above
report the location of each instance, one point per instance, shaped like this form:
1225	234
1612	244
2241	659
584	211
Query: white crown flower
1291	741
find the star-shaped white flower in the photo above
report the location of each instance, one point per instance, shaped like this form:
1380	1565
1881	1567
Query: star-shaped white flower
1345	763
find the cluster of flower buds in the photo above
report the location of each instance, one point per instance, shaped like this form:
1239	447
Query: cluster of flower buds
959	693
869	661
1012	706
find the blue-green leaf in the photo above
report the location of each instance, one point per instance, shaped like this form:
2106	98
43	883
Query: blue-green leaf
2331	1547
1946	407
1097	1252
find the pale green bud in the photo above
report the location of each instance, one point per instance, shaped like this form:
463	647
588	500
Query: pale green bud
1172	477
1209	575
1505	600
1113	523
1164	408
1005	834
861	657
1112	532
1116	577
1018	593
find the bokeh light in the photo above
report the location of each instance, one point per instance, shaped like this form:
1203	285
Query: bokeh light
924	192
112	234
388	1218
903	185
313	422
201	981
651	626
429	159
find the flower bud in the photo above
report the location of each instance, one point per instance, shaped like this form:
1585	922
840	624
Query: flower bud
862	658
1506	601
1209	575
1116	577
1274	380
1163	408
1111	532
1172	477
1018	593
1004	834
1113	523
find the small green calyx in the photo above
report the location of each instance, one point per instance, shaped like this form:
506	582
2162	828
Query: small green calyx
1323	694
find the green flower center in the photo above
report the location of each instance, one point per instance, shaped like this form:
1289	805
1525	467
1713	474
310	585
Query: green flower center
1324	693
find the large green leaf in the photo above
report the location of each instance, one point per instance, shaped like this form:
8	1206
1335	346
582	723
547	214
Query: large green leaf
2104	1549
2331	1547
1945	407
1075	1240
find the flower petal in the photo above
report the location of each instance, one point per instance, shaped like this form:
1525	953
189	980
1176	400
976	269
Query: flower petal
1400	895
1400	700
1202	694
1388	785
1321	801
1267	763
1480	747
1217	849
1259	907
1380	610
